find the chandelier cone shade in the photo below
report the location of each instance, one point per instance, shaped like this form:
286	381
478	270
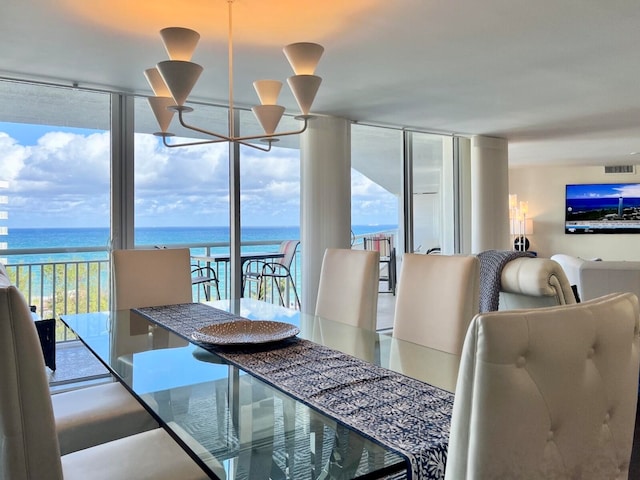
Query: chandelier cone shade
162	113
156	82
268	91
180	77
303	57
180	43
269	116
304	88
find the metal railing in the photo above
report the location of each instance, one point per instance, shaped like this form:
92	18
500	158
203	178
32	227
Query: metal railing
59	281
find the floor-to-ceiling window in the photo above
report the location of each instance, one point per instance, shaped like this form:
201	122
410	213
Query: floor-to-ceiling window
376	181
404	180
181	194
431	191
55	145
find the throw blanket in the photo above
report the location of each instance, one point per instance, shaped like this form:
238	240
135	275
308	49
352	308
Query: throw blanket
491	264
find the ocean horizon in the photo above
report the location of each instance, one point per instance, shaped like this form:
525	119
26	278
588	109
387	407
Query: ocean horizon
62	237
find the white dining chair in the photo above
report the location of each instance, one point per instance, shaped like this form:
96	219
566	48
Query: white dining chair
88	416
548	393
437	296
348	289
151	277
30	447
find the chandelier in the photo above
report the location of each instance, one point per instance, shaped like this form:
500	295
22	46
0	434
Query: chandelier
172	81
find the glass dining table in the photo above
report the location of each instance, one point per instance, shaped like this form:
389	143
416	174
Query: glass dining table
244	420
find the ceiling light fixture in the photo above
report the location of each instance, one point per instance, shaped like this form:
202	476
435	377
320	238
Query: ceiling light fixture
172	81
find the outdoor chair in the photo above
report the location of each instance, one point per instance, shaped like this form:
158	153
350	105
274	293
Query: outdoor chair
205	276
275	273
388	270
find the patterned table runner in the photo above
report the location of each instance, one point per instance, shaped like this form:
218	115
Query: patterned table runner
406	415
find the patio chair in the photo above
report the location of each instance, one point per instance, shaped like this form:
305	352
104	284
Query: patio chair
388	271
277	271
205	276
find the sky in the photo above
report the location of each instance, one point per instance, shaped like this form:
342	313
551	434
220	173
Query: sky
59	177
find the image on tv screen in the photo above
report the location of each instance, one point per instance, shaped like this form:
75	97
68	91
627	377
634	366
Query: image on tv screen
602	208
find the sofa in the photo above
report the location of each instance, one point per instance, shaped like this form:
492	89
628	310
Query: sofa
595	278
532	282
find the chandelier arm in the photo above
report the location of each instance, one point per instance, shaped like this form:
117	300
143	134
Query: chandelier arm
200	130
257	147
273	135
189	144
241	139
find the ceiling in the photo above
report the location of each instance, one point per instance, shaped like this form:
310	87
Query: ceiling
558	79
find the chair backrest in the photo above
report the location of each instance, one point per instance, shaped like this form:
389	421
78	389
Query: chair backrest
288	247
28	441
379	243
147	278
348	290
437	297
548	392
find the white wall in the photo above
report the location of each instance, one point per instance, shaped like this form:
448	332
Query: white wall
544	189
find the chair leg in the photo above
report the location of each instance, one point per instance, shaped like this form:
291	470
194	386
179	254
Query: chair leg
289	279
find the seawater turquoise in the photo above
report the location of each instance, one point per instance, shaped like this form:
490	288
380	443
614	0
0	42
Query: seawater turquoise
41	238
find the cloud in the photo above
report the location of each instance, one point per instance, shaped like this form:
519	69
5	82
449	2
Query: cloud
64	180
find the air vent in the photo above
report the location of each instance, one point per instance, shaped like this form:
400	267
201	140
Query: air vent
620	169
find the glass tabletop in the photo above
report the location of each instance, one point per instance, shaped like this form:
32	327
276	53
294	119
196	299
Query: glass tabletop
236	425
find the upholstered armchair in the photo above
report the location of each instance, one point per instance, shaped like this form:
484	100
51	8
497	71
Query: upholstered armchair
531	282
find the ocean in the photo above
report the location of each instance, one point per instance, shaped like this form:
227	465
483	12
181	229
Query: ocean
41	238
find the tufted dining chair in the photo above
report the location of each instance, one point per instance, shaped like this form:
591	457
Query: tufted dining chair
30	448
437	297
548	393
348	290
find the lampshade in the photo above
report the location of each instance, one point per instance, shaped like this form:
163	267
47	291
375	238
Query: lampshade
513	201
269	116
516	227
179	42
156	82
303	57
268	91
163	115
180	77
304	89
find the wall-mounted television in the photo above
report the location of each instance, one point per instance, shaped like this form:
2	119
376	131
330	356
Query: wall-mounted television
602	208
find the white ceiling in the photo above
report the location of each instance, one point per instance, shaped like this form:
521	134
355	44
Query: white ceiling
558	78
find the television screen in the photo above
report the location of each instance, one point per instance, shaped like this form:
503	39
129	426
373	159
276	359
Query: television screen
602	208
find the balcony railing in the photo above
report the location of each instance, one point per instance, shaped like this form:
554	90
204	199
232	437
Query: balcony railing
60	281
